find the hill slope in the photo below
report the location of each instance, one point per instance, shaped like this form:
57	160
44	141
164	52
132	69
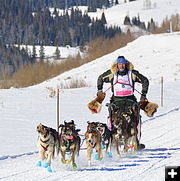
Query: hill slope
22	109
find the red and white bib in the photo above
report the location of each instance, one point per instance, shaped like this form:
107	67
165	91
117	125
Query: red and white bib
123	85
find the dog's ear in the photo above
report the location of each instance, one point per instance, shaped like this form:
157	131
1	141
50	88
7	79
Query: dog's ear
77	130
88	122
48	129
72	121
86	134
39	126
61	125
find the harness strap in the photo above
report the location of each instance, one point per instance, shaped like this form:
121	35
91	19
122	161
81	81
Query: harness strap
45	147
124	84
44	141
129	147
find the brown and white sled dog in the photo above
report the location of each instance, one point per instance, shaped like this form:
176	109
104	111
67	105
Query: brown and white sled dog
69	142
93	140
47	141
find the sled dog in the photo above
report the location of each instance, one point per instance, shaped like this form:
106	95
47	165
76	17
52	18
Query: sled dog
47	141
106	136
69	142
93	140
124	133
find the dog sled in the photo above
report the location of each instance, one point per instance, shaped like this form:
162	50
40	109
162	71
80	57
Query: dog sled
125	123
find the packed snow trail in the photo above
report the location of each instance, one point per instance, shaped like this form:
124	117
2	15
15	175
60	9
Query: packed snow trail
157	154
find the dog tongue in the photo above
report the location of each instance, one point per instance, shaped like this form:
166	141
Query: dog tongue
69	137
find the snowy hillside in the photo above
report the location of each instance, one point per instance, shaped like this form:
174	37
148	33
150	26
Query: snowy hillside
22	110
146	9
153	55
49	51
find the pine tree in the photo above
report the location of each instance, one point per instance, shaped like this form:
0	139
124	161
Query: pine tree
41	53
57	53
103	18
127	21
34	55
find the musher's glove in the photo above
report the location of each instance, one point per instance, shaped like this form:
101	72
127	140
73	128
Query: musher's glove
99	92
143	97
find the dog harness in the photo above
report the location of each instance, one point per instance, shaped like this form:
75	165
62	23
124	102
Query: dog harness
45	147
123	85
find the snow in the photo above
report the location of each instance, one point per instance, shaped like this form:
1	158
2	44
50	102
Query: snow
155	50
21	110
158	10
50	51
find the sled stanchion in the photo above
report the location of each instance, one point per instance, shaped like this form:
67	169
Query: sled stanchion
58	107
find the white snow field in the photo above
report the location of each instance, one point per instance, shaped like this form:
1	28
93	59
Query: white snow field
21	110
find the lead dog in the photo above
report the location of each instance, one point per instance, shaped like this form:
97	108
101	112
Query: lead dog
93	140
69	142
47	141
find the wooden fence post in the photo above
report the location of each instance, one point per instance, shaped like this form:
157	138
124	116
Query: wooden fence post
162	86
58	109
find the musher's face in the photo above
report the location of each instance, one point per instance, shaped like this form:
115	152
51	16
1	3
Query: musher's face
121	66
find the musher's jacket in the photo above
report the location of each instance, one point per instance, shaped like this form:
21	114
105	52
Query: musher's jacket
110	75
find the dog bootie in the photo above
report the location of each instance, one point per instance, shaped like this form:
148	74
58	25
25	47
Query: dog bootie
69	155
74	166
91	151
103	146
46	165
96	156
109	154
49	169
39	164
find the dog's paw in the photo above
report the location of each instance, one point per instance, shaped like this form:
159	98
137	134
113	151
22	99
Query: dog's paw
67	161
109	154
91	151
46	165
69	155
103	146
96	156
74	166
49	169
39	164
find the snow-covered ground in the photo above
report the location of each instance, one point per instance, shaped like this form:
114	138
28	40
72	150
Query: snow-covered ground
21	110
49	51
156	9
154	55
146	9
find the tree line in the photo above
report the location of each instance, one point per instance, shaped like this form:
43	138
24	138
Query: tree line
21	23
12	58
31	22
